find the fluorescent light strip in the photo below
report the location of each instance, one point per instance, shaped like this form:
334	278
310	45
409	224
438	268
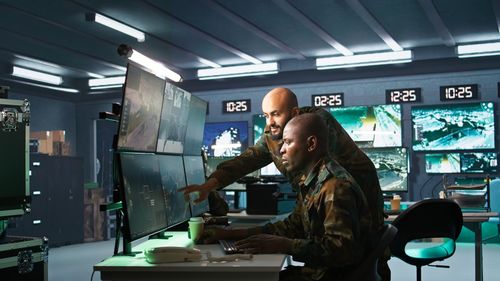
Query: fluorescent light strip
107	81
37	61
61	89
111	23
364	60
36	75
238	71
478	50
157	68
106	87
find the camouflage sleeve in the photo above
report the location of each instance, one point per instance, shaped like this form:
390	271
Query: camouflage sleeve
255	157
342	242
291	227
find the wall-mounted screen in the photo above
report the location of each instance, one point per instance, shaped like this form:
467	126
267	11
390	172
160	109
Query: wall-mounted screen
174	119
477	162
259	125
195	125
141	110
454	127
173	178
371	126
195	174
392	167
442	163
225	138
142	195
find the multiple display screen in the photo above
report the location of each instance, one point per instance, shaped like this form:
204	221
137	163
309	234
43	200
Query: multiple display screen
225	138
143	196
195	174
159	144
468	162
392	167
371	126
468	126
141	111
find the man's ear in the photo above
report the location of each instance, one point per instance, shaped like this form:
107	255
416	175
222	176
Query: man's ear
295	111
312	143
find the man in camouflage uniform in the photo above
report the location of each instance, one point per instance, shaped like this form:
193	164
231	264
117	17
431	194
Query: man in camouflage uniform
279	106
330	224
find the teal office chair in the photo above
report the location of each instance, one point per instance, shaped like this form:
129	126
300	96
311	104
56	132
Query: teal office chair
495	202
431	218
367	269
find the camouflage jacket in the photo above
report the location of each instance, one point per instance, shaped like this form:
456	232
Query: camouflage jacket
330	223
342	149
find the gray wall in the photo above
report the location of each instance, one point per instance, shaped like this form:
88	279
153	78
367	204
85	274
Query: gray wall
51	114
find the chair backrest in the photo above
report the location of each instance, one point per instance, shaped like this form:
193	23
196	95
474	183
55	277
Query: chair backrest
430	218
367	269
495	195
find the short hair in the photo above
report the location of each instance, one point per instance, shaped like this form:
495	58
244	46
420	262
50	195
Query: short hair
310	124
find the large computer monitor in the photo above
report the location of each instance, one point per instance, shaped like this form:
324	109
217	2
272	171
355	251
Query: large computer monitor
462	126
174	119
195	126
142	195
141	110
195	174
371	126
173	178
392	167
442	163
225	138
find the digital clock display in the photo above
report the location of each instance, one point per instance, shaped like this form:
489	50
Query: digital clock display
328	100
236	106
403	95
459	92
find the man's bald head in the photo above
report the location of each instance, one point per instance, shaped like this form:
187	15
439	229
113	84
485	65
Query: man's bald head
279	106
282	96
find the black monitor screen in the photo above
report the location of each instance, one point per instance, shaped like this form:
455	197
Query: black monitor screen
392	167
477	162
141	110
195	174
195	126
142	194
225	138
442	163
173	178
371	126
454	127
174	118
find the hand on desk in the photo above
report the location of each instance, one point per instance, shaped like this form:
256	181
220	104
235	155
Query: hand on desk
265	244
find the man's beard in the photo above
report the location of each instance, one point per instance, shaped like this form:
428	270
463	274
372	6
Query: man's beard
277	136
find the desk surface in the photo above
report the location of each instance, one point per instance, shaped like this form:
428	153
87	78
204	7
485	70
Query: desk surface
261	267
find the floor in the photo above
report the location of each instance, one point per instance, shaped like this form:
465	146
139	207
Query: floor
74	262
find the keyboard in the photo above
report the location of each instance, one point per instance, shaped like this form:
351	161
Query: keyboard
228	247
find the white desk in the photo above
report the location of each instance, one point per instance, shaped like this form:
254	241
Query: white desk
262	267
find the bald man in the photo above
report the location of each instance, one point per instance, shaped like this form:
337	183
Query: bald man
330	224
279	106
